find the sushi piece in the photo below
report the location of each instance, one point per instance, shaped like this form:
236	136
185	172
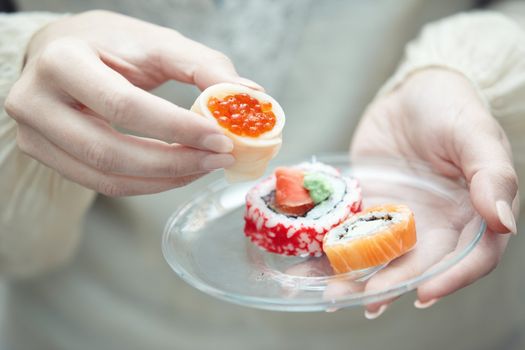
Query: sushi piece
289	212
371	238
252	119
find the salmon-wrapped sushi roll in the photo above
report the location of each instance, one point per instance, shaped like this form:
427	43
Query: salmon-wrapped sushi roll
252	119
290	212
371	238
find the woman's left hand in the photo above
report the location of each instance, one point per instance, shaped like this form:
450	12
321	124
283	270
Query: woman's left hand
436	116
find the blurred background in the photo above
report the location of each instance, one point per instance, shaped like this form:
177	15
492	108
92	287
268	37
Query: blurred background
323	61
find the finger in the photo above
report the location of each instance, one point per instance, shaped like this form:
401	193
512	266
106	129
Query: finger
478	263
38	147
337	289
372	315
485	159
442	241
95	143
297	277
191	62
84	77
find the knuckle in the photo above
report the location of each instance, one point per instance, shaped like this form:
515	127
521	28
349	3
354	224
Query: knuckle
494	263
175	169
23	142
185	180
500	174
489	259
491	263
50	57
13	104
53	56
98	155
508	177
117	105
110	188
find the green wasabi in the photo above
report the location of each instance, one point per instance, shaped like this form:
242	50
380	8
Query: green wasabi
318	185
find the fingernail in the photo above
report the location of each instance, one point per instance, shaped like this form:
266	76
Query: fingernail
217	161
425	305
331	309
373	315
218	143
505	216
249	83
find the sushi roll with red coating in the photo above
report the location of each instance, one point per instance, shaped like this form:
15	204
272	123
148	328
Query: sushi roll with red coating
290	212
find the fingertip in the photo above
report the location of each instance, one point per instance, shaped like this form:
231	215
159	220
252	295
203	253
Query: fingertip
506	216
380	306
217	143
375	313
493	192
331	309
418	304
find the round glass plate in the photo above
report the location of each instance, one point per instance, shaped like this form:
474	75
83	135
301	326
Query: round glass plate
205	245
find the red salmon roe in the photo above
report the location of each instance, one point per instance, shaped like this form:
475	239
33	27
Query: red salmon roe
242	114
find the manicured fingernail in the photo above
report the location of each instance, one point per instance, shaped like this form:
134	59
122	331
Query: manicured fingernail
425	305
505	216
249	83
217	161
373	315
218	143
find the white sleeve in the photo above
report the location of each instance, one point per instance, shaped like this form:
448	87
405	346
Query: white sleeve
488	48
40	212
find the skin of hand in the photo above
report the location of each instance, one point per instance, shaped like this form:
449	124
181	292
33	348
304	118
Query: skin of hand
87	72
437	117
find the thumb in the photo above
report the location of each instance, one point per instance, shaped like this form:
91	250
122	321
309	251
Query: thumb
188	61
486	161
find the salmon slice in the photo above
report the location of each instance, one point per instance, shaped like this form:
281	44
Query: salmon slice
371	238
290	195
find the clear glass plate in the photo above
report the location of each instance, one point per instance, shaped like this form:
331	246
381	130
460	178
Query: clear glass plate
205	245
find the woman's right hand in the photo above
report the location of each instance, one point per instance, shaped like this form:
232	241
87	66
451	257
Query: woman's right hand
436	116
87	72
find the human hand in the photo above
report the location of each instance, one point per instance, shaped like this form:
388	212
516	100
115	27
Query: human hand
86	72
437	117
